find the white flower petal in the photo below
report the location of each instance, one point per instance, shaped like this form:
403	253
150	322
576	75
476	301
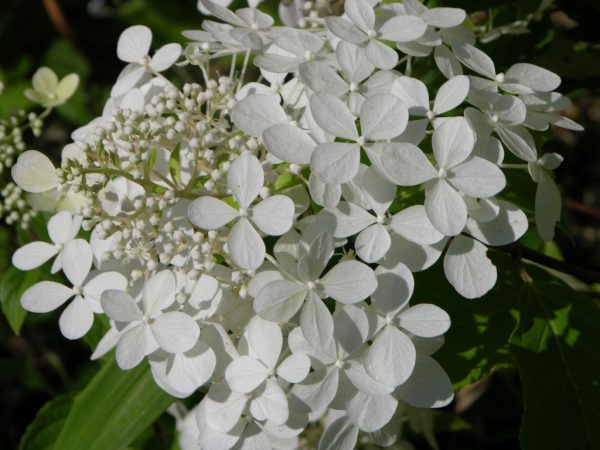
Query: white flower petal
175	332
159	292
257	112
403	29
77	261
382	117
391	357
335	162
361	13
333	116
165	57
444	17
289	143
447	62
532	76
349	219
468	268
381	56
349	282
378	192
223	407
345	30
508	226
134	43
326	195
77	319
34	172
245	374
425	320
274	215
294	368
547	207
395	286
401	163
428	387
413	94
245	179
62	227
119	306
339	435
210	213
372	243
94	288
451	94
45	296
192	369
351	329
265	341
353	62
452	142
319	388
134	345
445	208
129	77
272	404
519	141
320	77
316	322
33	255
413	224
280	300
245	245
475	60
370	412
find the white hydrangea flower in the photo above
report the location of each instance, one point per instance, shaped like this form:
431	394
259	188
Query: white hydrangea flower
62	229
302	286
133	47
147	325
78	317
273	216
457	173
361	28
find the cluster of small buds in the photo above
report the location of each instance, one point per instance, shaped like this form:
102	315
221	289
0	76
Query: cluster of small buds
14	209
240	229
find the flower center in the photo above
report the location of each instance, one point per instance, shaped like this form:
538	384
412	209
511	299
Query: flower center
442	173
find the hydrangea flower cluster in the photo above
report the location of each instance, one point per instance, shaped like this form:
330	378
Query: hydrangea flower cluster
259	238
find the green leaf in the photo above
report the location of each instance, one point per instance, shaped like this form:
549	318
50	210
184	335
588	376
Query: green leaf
175	164
555	346
113	409
45	428
478	339
12	285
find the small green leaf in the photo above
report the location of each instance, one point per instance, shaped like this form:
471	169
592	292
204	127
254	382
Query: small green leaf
113	409
175	164
12	285
555	346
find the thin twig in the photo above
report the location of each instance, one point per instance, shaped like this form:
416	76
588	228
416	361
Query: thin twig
58	19
519	251
582	208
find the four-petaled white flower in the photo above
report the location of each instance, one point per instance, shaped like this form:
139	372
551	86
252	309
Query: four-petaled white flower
62	229
273	216
133	47
301	285
149	325
78	317
457	173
